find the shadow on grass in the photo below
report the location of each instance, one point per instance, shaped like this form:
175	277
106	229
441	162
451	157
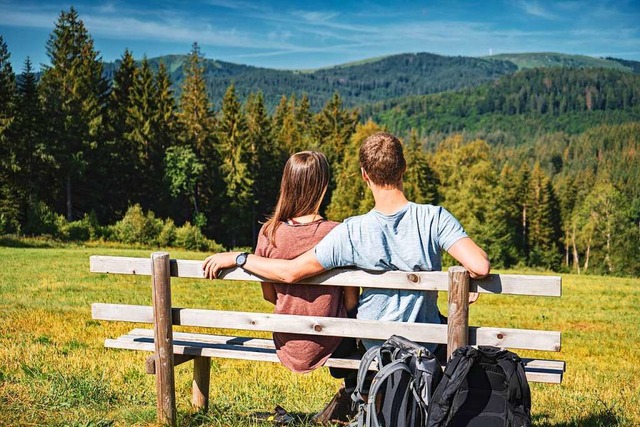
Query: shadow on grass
217	416
21	242
605	419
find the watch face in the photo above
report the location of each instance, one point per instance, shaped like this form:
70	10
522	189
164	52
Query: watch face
241	259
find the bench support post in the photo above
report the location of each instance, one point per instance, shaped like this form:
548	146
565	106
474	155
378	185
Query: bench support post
201	375
163	338
458	310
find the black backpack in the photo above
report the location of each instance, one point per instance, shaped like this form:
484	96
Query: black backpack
486	386
401	390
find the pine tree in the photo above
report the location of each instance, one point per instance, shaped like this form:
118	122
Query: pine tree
119	148
512	186
196	129
9	205
31	151
141	114
333	127
266	160
164	129
74	93
196	116
234	152
352	196
304	116
543	221
7	92
286	127
420	181
332	130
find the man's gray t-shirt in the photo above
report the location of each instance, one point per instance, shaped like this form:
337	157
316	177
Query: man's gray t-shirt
408	240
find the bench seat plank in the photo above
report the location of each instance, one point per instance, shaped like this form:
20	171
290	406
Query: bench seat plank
331	326
419	280
256	349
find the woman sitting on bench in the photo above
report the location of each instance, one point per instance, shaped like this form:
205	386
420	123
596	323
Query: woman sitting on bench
295	227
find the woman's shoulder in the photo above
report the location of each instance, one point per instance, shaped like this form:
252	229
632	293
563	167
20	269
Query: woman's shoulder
330	224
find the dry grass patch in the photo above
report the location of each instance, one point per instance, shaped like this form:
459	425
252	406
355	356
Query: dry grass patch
54	369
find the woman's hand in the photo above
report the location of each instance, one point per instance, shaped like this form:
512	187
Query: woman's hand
214	263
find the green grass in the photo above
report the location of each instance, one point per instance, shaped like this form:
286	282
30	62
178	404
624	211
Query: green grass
54	369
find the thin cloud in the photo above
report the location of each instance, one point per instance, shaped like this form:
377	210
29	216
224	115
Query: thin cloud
533	8
236	5
29	19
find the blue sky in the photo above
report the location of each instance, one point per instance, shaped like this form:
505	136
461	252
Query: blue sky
312	34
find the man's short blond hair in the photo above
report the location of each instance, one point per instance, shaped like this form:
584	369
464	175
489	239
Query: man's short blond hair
382	159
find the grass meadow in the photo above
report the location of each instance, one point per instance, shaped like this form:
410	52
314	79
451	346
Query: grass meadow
55	371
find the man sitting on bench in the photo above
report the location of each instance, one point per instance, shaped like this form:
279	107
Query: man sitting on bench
395	235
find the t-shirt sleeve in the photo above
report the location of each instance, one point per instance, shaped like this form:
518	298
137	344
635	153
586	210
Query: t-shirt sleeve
262	244
335	249
449	229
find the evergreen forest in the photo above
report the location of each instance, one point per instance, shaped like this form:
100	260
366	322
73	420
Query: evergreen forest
540	164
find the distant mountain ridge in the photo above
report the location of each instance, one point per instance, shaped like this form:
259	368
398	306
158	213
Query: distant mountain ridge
375	79
358	83
553	59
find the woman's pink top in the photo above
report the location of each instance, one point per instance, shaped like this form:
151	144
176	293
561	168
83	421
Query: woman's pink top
302	353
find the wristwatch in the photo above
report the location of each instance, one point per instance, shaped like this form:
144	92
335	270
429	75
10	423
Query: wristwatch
241	259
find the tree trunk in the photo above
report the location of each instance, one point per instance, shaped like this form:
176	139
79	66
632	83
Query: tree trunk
576	259
586	256
69	204
566	248
524	231
607	258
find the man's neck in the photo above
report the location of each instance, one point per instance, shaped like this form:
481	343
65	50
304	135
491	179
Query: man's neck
388	200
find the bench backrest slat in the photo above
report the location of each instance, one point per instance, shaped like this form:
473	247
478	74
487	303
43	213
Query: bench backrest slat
500	337
426	281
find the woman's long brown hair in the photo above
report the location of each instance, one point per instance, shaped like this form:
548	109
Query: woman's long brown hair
304	182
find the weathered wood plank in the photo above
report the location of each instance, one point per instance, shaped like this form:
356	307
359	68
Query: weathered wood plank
142	333
546	371
499	337
420	280
205	338
138	333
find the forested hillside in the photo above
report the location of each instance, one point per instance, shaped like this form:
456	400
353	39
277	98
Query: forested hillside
541	166
378	79
524	104
389	77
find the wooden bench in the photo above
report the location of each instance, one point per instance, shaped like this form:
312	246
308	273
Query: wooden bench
172	348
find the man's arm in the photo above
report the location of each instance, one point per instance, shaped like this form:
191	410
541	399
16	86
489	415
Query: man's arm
472	257
280	270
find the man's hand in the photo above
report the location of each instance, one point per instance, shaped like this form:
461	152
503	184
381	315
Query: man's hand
214	263
473	297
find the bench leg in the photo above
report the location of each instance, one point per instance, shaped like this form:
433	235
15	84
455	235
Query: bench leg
201	375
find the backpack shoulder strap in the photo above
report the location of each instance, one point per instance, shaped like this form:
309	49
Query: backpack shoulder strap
378	382
455	373
365	362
